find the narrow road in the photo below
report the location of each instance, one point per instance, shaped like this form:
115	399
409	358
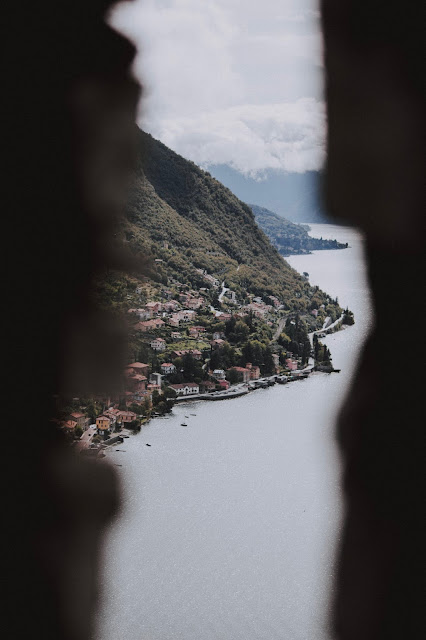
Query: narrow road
280	328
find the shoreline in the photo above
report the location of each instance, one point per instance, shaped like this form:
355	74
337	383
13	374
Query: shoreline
240	390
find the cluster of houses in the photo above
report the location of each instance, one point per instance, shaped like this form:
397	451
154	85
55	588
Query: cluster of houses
174	311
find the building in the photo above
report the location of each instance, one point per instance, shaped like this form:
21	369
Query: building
124	417
81	419
243	373
167	368
175	335
207	386
185	389
194	303
219	374
218	335
217	344
69	425
195	353
103	424
155	378
150	325
158	344
137	368
290	364
254	371
224	384
186	315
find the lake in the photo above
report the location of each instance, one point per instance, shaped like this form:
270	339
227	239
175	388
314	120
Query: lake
230	525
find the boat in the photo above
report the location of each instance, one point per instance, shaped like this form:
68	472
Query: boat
193	414
183	424
148	445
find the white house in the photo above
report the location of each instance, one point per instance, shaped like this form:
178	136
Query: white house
219	374
186	388
158	344
167	368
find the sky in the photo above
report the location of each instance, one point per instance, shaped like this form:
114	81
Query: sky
236	82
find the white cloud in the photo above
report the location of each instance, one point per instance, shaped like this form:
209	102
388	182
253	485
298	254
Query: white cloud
234	81
252	138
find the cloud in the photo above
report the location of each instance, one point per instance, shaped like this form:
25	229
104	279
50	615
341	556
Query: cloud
252	138
231	81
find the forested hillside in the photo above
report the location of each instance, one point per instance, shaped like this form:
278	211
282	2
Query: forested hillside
289	237
189	226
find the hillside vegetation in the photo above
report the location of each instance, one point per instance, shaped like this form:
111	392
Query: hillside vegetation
288	237
189	225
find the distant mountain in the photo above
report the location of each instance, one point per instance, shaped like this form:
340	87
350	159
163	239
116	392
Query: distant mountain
296	196
189	225
290	238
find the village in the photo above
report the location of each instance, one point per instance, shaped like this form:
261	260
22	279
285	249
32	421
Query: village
186	348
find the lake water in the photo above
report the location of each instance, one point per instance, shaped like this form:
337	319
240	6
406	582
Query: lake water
230	525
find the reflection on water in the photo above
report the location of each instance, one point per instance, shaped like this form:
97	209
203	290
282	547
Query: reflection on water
229	526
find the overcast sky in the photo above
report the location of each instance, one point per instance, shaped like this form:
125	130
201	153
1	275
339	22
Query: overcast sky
235	82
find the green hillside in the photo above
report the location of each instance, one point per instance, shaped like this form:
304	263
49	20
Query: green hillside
185	221
289	237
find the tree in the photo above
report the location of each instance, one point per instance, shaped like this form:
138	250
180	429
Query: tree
232	376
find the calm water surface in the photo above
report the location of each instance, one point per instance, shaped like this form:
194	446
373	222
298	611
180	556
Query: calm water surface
230	525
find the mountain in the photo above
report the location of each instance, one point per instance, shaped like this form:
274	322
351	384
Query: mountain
192	230
296	196
288	237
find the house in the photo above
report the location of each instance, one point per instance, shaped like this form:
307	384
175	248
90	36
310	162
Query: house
243	373
219	374
136	383
224	384
150	325
194	303
207	386
314	312
175	335
254	371
218	335
80	419
154	387
185	389
154	307
138	367
103	424
186	315
167	368
195	353
195	331
124	417
291	364
174	320
158	344
217	344
69	425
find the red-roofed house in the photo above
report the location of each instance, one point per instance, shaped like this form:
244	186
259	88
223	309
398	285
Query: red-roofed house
139	367
70	425
80	419
243	373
